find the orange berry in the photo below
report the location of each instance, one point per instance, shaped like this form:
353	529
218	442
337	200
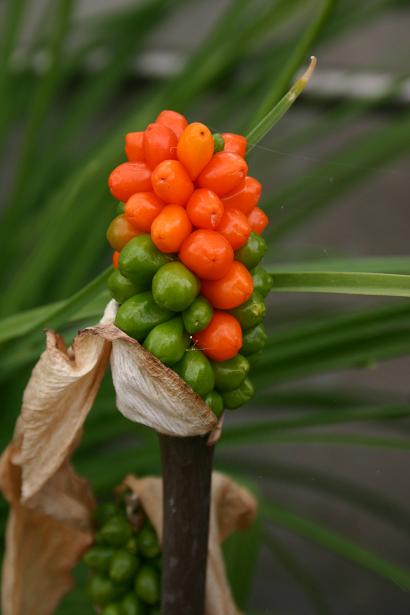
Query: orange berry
129	178
222	338
142	209
115	258
235	144
235	227
232	290
223	173
134	149
207	254
258	220
205	209
245	196
195	148
119	232
160	143
170	228
173	120
171	182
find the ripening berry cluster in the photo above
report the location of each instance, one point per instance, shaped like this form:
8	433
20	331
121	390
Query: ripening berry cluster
124	563
187	246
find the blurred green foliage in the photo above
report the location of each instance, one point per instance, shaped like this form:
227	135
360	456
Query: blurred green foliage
61	132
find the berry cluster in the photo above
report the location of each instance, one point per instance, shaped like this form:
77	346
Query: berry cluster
187	242
125	563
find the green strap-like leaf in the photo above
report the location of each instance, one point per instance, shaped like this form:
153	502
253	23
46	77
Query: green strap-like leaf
266	124
299	573
379	284
375	264
260	432
337	544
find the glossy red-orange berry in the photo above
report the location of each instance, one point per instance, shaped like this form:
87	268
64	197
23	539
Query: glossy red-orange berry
235	227
222	338
205	209
195	148
171	182
170	228
160	143
232	290
258	220
142	209
115	259
207	253
235	144
223	173
245	196
173	120
129	178
134	148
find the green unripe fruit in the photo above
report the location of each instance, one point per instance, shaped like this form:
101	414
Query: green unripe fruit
219	142
112	609
139	314
120	287
101	590
240	396
116	532
132	545
229	374
147	585
104	512
262	281
198	316
215	402
130	605
174	287
253	340
252	252
252	312
140	259
254	358
168	341
148	542
197	371
99	558
124	566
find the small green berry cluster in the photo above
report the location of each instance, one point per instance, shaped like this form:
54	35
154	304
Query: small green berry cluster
124	561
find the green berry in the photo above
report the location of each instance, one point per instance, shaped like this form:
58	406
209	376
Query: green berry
148	542
262	281
124	566
219	142
253	340
252	252
101	590
120	287
112	609
105	511
198	316
139	314
140	259
197	371
230	373
252	312
147	585
240	396
215	402
99	558
116	532
168	341
130	605
174	287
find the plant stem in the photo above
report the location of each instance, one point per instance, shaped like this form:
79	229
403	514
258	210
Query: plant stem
186	473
